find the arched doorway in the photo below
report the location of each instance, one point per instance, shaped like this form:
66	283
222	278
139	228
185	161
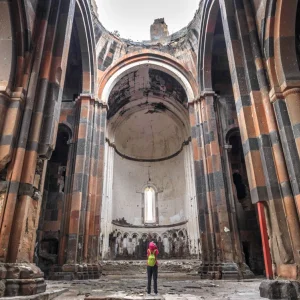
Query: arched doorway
53	204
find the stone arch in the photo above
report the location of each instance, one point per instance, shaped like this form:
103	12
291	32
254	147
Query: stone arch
21	34
67	129
166	62
233	131
7	48
13	27
84	23
135	235
269	48
285	54
208	25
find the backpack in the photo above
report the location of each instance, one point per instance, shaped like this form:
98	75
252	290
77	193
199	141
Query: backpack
151	259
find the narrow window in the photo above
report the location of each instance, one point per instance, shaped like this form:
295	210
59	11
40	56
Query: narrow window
149	196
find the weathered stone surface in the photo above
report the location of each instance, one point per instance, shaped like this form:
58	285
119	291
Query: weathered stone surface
2	288
279	289
28	287
3	272
13	272
71	268
12	288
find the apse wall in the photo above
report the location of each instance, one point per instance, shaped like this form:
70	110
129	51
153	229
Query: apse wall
130	179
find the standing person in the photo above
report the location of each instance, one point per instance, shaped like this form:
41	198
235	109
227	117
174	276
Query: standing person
152	268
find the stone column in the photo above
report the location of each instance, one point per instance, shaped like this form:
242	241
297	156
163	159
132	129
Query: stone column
191	202
221	256
106	210
54	81
287	109
79	253
20	216
205	224
93	211
263	154
26	171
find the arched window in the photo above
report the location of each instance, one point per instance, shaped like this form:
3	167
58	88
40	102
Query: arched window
149	204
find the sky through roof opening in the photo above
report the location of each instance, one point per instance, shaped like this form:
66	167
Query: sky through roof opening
133	18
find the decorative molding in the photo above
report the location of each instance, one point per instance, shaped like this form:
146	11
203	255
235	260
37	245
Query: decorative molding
292	91
185	143
149	225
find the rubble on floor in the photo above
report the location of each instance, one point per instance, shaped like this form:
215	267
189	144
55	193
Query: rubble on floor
173	286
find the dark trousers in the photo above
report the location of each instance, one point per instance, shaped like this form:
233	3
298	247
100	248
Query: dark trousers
152	271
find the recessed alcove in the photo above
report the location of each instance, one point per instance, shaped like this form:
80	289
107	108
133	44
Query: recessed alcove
148	151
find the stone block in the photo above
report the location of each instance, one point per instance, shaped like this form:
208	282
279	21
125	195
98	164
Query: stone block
12	288
3	272
2	288
70	268
26	272
287	290
40	286
289	271
28	287
279	289
80	268
269	289
296	285
13	272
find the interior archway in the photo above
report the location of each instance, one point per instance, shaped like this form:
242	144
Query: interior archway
148	146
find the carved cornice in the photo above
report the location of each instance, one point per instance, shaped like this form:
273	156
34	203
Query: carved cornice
276	93
102	104
292	91
149	226
185	143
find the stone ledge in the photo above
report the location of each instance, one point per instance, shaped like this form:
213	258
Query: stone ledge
21	279
43	296
76	271
225	271
280	289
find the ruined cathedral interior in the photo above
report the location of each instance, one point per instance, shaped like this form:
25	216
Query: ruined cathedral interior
190	140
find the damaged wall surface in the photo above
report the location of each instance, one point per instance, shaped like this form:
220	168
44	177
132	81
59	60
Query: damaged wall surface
128	243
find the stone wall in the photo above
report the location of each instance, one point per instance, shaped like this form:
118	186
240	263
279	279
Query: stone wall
130	179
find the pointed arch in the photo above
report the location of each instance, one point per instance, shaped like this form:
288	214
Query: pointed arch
84	23
210	15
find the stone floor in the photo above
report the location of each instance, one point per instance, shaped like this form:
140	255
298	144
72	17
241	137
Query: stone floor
171	287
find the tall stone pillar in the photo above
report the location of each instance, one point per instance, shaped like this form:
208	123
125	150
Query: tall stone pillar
26	171
262	149
79	252
287	110
221	251
208	248
92	229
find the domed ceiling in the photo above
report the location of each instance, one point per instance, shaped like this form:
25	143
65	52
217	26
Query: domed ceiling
147	115
144	82
149	135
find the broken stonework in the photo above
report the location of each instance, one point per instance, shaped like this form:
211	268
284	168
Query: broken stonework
280	289
159	29
2	288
